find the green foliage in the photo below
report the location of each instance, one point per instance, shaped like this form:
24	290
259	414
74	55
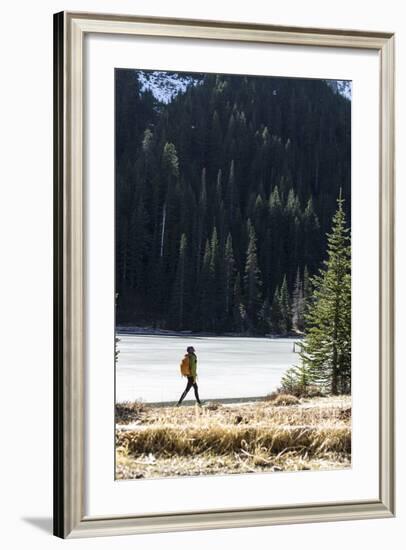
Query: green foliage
326	351
229	281
296	380
170	162
179	292
276	312
239	311
298	304
285	307
281	316
251	185
252	280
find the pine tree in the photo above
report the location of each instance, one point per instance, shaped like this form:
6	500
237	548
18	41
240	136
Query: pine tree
298	304
326	347
239	311
264	324
291	216
230	198
170	162
204	320
285	308
296	380
220	217
216	289
147	145
201	220
179	289
289	381
276	313
307	287
252	279
307	292
137	242
214	248
170	234
276	236
229	278
215	145
311	233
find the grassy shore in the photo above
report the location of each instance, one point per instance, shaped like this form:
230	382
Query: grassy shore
282	434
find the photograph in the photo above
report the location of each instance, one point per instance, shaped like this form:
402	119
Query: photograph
224	274
232	274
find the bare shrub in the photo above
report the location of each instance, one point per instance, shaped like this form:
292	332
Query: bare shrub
212	405
345	414
128	411
284	399
273	395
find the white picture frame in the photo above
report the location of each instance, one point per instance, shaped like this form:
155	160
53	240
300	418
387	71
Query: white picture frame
72	203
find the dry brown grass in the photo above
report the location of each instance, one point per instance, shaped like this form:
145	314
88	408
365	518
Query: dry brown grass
283	399
166	441
171	439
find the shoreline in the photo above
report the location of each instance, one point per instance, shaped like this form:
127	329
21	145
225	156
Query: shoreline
190	402
141	331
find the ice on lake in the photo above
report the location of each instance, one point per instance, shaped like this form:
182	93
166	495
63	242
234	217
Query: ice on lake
228	367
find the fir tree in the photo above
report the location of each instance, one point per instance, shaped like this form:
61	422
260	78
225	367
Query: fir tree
276	313
296	380
298	304
239	311
179	289
312	241
307	292
326	347
231	192
229	277
205	287
215	289
201	220
170	162
285	309
276	236
264	324
252	279
137	246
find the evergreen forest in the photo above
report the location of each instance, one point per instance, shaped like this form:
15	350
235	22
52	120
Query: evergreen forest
226	193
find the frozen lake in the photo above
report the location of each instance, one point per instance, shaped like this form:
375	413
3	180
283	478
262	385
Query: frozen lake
228	367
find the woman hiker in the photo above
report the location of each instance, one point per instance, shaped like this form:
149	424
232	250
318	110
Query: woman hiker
189	369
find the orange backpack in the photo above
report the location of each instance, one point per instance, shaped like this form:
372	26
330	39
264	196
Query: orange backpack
185	367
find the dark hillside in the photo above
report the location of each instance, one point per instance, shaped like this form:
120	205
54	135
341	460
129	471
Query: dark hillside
224	195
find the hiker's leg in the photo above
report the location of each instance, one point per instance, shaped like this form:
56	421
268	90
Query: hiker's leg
195	387
188	386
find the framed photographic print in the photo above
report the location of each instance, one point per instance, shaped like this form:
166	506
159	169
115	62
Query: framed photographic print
224	274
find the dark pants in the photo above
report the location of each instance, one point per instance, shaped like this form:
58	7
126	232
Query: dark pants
189	384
